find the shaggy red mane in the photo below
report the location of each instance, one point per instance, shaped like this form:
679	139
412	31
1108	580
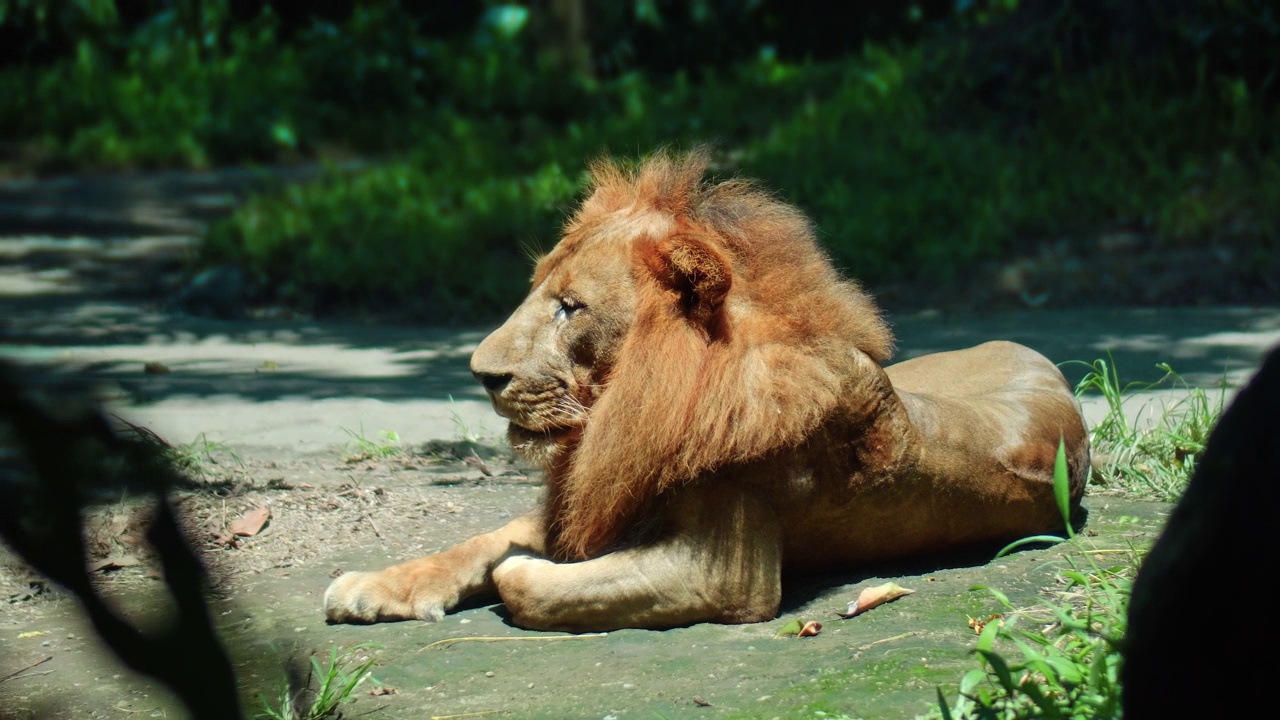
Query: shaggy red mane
745	340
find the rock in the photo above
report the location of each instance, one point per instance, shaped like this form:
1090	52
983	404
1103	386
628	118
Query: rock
219	292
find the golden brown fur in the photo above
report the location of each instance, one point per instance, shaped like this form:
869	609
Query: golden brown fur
707	397
755	370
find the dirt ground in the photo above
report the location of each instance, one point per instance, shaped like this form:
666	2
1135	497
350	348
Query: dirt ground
272	412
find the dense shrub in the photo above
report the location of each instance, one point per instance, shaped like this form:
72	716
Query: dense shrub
958	132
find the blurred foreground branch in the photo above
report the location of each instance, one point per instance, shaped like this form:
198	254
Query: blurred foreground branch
56	450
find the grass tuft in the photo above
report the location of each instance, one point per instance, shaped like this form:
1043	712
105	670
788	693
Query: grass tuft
1150	450
1059	659
361	448
336	682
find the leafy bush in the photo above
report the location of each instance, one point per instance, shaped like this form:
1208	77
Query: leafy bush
991	131
903	175
442	244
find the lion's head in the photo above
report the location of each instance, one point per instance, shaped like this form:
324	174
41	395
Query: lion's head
678	327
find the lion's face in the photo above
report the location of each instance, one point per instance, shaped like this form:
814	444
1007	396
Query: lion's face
548	363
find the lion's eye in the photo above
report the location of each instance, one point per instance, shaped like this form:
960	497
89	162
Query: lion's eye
568	306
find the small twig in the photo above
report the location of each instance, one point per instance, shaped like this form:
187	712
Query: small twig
19	671
482	713
903	636
450	641
369	518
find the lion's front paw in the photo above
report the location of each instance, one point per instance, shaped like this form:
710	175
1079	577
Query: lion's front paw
365	597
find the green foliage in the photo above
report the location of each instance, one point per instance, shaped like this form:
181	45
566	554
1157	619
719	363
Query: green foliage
165	99
1066	666
361	447
336	681
914	159
865	146
399	235
1148	444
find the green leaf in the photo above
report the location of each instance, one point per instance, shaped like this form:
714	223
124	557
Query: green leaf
942	706
1062	486
1000	668
987	638
999	596
791	629
1054	539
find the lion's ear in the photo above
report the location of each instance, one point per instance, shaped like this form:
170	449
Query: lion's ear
694	271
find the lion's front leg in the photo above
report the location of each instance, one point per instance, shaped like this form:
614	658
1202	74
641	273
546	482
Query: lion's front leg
721	563
427	587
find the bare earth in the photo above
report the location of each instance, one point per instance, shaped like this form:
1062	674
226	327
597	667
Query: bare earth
271	409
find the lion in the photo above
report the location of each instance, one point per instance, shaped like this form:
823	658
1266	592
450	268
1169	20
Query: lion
709	402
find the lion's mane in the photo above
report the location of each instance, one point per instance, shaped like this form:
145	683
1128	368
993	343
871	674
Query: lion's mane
744	339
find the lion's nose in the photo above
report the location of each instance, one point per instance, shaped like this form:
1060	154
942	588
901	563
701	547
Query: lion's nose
493	382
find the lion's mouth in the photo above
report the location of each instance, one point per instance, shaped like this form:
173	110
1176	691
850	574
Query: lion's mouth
547	434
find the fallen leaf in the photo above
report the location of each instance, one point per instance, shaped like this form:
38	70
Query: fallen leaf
978	624
382	690
875	596
791	629
700	702
811	628
251	522
799	628
155	368
114	563
33	633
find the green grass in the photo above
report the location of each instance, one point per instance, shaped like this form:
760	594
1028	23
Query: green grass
201	458
360	447
325	689
1059	659
1149	449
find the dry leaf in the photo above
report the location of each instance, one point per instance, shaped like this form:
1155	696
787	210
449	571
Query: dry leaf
382	690
251	522
875	596
811	628
114	563
155	368
978	625
700	702
33	633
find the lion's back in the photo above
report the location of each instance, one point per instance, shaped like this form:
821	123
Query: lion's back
990	368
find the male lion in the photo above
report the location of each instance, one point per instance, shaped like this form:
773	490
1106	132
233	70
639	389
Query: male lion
706	396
